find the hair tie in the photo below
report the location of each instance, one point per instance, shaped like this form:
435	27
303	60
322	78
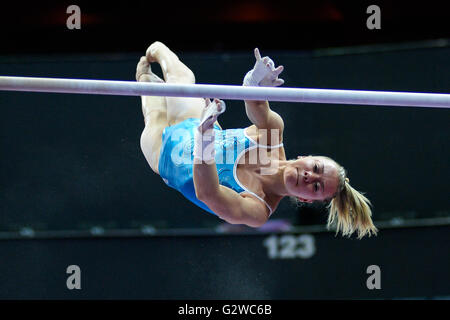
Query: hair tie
347	180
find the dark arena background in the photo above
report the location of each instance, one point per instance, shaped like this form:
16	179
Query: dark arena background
76	190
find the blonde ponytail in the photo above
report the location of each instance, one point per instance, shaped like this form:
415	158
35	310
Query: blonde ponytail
350	210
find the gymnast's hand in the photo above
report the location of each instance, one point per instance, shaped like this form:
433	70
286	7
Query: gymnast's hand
264	73
210	114
204	135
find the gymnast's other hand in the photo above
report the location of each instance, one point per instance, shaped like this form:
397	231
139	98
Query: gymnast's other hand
264	73
204	135
210	114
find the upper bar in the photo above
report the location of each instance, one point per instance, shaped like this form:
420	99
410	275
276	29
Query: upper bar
132	88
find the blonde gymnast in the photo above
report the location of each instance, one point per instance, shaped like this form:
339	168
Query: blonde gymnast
240	175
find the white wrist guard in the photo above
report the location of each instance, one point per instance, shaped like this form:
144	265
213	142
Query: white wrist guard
204	134
249	80
204	147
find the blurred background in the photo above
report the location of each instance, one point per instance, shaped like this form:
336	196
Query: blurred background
76	189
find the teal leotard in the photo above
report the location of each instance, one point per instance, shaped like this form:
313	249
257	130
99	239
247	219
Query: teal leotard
176	159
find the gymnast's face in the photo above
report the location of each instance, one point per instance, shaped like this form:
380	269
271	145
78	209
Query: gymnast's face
311	178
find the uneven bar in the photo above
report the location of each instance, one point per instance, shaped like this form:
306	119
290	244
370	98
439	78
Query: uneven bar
132	88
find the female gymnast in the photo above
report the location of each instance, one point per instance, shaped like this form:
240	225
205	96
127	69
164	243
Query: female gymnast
240	175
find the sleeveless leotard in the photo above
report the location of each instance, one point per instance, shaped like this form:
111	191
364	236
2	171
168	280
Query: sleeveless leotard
176	159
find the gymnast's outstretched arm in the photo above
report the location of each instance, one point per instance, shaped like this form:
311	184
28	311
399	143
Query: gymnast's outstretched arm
226	203
260	114
263	74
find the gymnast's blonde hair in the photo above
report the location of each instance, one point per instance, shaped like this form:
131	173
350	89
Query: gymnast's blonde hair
349	209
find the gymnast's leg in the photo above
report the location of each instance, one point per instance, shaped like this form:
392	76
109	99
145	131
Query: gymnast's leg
178	108
155	117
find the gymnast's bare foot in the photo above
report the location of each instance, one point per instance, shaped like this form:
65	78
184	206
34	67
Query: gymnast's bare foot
144	72
156	49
